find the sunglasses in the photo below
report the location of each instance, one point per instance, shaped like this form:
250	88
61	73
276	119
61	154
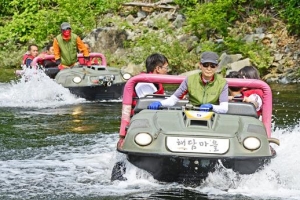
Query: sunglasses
212	65
66	29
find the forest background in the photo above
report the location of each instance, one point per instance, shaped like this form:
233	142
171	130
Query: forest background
23	22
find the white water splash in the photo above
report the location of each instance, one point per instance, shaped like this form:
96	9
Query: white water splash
70	171
278	180
35	90
84	171
73	171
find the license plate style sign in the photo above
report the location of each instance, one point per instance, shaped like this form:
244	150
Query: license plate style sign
198	145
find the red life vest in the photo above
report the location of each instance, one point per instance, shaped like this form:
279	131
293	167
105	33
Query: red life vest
259	92
92	61
25	57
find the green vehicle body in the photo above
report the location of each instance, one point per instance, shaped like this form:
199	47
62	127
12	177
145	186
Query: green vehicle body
185	144
94	82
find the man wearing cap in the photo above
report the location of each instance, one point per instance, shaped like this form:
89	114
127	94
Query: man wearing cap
205	89
65	47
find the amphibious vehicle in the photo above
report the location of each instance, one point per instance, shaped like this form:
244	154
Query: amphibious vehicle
181	143
95	82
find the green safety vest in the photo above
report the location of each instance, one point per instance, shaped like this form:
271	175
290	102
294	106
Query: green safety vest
200	93
68	49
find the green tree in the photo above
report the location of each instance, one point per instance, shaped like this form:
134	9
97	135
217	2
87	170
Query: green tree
213	17
289	10
38	21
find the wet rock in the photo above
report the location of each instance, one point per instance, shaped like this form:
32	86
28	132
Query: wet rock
130	19
141	14
132	69
149	23
278	56
236	66
106	39
137	20
259	30
178	23
249	38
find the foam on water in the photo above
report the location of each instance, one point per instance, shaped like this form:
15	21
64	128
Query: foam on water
278	180
84	171
35	90
69	170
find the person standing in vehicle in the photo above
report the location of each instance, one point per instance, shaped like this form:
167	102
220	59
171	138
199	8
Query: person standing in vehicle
155	64
205	89
65	47
32	52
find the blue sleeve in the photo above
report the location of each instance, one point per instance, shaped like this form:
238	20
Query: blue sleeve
28	62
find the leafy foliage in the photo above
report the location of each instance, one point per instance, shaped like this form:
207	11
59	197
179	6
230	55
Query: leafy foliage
186	3
290	11
179	58
259	55
35	21
213	17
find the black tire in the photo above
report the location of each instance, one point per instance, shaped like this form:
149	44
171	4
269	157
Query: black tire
118	171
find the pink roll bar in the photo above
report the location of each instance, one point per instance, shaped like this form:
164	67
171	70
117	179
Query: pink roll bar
80	55
170	79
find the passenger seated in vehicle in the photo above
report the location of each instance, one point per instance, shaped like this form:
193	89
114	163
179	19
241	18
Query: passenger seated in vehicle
33	51
249	72
235	93
205	89
91	61
46	63
253	96
155	64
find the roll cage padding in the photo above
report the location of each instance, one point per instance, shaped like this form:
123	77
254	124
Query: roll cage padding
170	79
80	55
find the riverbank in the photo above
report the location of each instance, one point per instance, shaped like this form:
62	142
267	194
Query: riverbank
128	36
266	45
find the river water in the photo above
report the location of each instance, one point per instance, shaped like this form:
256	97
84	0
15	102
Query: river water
56	146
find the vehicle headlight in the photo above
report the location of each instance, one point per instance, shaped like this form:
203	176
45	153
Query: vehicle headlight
77	79
143	139
126	76
251	143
